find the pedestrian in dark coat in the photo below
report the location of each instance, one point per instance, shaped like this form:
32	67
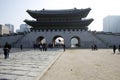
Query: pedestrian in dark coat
6	50
119	48
64	47
114	49
21	47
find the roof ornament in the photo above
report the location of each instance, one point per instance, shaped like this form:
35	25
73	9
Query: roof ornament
75	8
43	9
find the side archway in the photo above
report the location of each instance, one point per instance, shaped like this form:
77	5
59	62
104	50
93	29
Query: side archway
75	42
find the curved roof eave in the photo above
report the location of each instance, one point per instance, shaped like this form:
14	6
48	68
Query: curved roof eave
34	23
42	13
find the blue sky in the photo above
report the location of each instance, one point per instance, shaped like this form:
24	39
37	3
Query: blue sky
14	11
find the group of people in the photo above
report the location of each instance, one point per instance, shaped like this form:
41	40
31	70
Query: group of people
115	48
94	47
42	47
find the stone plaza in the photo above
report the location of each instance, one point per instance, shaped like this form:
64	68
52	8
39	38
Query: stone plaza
85	64
27	64
73	64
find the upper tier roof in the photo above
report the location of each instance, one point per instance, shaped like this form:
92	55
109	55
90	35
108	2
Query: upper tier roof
59	13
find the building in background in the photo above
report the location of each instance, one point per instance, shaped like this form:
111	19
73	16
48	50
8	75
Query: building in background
10	27
4	29
111	24
18	30
24	28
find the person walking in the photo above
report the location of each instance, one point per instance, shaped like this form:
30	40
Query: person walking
64	47
119	48
114	49
6	50
21	47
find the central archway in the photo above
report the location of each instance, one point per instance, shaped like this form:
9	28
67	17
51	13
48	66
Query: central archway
75	42
57	41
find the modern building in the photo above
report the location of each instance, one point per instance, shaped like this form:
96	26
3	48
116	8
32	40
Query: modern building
18	30
10	27
111	24
4	29
24	28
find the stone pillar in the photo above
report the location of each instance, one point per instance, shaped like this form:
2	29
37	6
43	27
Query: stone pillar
67	42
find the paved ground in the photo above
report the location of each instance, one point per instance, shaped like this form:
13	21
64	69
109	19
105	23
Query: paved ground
27	64
85	64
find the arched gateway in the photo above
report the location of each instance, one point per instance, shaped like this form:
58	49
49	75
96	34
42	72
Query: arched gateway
75	41
41	39
59	26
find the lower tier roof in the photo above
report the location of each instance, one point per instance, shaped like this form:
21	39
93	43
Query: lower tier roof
59	25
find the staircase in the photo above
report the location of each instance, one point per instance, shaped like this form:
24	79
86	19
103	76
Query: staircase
105	43
19	39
